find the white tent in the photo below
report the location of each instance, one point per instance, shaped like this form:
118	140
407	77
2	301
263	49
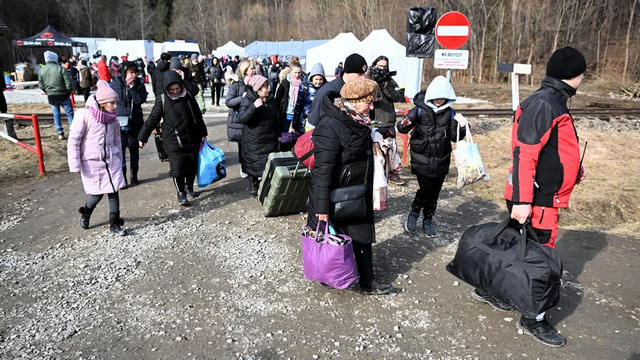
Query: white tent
335	51
229	48
380	42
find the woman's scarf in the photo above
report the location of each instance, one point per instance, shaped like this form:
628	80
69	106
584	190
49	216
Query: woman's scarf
347	107
183	93
100	116
295	86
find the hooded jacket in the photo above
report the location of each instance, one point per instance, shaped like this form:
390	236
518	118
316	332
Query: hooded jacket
158	76
261	129
331	91
94	149
435	129
182	128
545	148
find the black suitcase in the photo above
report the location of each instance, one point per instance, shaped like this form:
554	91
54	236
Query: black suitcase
509	264
284	187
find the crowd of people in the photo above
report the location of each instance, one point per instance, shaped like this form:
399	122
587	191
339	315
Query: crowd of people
271	104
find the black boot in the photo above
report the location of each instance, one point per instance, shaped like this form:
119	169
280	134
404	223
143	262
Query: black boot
182	198
124	174
134	176
86	215
255	184
115	224
191	193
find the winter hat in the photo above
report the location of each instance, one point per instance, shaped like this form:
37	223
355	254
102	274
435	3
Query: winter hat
175	63
165	56
105	93
194	57
200	58
126	65
359	90
355	64
256	82
566	63
50	56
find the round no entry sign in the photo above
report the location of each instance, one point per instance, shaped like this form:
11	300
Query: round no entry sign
452	30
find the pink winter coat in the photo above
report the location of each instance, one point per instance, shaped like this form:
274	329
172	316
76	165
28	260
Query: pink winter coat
95	150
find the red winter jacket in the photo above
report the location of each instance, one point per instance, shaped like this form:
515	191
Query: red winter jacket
545	150
103	71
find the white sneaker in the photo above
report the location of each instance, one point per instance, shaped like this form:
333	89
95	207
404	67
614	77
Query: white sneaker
243	174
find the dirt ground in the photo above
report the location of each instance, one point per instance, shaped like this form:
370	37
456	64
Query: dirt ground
219	281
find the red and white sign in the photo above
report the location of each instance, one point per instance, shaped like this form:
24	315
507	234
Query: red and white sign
452	30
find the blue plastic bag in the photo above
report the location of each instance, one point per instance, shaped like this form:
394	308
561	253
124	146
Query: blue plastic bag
211	165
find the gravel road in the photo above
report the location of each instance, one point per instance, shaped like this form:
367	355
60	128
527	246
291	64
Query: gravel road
220	281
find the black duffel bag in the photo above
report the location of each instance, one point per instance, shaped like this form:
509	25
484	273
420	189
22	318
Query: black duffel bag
510	265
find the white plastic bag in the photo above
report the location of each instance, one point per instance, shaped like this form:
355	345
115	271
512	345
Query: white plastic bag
380	186
468	161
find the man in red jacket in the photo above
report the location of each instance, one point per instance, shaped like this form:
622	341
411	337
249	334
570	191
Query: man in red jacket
546	167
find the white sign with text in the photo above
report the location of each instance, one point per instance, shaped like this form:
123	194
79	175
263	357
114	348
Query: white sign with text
451	59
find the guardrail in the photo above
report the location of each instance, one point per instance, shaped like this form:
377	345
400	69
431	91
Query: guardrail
36	132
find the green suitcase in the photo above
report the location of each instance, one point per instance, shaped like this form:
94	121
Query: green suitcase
284	187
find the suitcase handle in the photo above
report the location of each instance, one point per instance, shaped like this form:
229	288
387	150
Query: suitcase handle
295	171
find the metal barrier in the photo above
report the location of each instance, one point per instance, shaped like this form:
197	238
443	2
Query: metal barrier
36	132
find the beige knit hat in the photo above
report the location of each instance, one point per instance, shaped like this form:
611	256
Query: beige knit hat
360	90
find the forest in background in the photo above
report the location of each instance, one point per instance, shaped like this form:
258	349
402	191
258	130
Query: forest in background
512	31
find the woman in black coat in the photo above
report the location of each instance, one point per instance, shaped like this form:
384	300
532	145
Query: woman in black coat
344	157
259	115
131	95
183	130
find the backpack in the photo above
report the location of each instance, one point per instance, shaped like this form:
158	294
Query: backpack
304	150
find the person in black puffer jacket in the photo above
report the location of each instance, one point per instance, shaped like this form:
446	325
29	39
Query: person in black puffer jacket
131	95
344	157
436	126
259	115
161	67
183	131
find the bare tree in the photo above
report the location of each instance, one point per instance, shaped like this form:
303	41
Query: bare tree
628	40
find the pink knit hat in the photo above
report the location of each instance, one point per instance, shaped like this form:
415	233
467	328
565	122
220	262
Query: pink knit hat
105	93
256	82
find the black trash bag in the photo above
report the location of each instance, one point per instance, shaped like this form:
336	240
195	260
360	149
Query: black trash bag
421	20
420	45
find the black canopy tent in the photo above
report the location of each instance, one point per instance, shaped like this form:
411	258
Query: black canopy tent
49	37
46	39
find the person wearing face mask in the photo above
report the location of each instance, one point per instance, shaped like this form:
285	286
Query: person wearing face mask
131	94
183	130
94	151
344	158
261	128
436	125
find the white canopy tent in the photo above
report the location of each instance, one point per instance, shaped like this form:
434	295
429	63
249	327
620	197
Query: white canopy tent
230	48
380	42
335	51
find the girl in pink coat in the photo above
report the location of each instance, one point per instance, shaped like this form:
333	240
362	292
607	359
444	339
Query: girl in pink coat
95	152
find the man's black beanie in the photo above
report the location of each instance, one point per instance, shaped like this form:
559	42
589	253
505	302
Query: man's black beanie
566	63
355	64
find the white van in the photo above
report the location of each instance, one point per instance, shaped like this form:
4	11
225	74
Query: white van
181	47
